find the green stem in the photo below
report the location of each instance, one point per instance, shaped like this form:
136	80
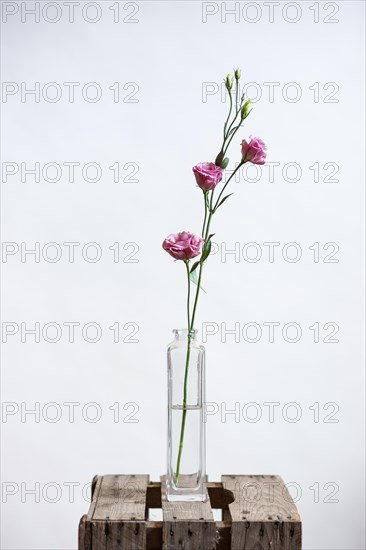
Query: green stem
205	193
232	135
228	117
201	265
227	130
237	111
184	413
188	295
205	232
223	189
236	95
190	329
209	212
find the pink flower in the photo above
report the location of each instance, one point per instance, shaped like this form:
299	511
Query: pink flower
208	175
183	246
254	151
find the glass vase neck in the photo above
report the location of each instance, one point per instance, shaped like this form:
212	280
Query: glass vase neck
182	333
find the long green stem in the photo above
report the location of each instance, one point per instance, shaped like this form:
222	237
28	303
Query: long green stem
184	412
209	208
190	329
201	265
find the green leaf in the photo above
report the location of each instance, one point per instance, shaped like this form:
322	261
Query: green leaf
223	200
206	251
194	277
194	266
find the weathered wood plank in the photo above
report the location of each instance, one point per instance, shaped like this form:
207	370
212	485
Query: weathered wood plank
154	531
122	497
263	514
82	528
95	490
187	525
85	527
117	514
118	535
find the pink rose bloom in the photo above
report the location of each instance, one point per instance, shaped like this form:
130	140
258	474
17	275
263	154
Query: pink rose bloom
254	151
208	175
183	246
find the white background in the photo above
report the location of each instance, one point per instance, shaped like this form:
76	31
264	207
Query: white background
170	53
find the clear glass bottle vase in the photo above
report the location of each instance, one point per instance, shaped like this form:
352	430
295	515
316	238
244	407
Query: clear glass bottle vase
186	427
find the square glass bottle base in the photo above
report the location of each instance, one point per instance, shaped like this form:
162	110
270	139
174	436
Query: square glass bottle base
185	494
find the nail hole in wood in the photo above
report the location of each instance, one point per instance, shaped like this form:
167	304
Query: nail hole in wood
190	533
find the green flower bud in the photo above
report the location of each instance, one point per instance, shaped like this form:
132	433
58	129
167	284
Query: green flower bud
224	163
229	82
237	74
219	158
245	110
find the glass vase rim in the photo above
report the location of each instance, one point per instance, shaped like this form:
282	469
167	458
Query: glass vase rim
184	331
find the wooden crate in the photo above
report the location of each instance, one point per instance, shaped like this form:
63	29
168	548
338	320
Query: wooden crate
257	513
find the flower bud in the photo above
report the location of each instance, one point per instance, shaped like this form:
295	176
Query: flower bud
224	163
219	158
245	110
237	74
229	82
